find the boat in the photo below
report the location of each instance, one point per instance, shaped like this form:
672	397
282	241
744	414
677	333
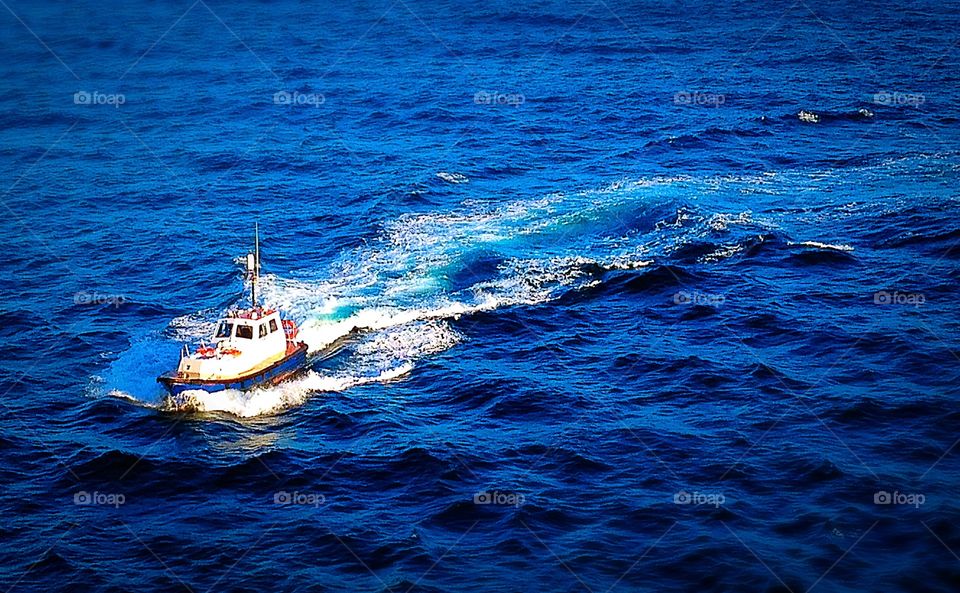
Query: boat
249	347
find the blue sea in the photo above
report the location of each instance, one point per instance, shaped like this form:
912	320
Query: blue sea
601	296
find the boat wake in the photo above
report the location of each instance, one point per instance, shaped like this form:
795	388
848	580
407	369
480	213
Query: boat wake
385	306
269	400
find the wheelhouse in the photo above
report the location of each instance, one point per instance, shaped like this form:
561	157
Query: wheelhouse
241	328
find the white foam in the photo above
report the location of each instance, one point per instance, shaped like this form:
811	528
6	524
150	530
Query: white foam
723	252
722	222
453	177
271	400
626	263
410	342
321	334
121	395
820	245
194	326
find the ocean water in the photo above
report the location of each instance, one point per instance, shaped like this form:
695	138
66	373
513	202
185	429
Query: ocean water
594	306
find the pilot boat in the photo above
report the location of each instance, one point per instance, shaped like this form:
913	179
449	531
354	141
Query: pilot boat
249	348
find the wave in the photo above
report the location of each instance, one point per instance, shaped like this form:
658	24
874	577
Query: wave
269	400
826	246
815	117
817	253
453	177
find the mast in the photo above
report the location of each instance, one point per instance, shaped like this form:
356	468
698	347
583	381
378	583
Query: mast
256	264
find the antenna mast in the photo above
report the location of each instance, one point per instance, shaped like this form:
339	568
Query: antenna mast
256	264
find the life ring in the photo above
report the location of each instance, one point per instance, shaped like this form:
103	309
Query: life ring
229	351
206	351
290	328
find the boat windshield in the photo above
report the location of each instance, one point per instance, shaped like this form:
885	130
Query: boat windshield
245	331
224	330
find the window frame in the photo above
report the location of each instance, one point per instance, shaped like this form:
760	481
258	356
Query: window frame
219	334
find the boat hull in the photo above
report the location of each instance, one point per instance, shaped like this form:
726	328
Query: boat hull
294	360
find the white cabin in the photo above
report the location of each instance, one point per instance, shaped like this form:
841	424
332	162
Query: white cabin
243	342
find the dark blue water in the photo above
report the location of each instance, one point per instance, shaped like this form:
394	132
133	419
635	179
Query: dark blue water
595	307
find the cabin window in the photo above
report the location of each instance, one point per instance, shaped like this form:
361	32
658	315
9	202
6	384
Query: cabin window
263	330
273	325
224	330
245	331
